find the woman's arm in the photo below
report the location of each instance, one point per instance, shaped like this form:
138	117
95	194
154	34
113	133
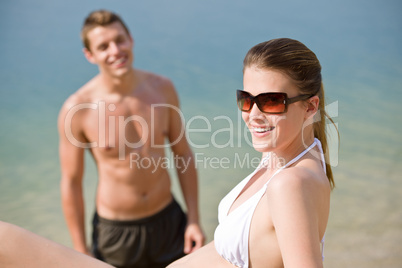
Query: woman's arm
207	256
296	200
21	248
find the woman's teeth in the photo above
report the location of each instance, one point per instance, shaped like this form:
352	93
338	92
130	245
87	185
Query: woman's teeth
261	130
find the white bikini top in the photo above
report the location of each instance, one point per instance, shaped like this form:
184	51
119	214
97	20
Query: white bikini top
231	235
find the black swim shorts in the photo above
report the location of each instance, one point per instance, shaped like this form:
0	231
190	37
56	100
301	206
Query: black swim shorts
150	242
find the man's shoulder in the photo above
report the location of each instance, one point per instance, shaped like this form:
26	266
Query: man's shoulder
79	100
83	95
160	85
156	80
150	75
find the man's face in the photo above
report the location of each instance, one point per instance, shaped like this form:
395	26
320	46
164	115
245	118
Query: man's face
111	49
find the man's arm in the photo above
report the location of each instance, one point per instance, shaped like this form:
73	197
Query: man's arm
187	174
72	167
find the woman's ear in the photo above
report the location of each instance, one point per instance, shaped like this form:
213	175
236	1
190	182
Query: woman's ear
312	106
88	55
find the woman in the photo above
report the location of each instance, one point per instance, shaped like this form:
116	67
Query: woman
277	216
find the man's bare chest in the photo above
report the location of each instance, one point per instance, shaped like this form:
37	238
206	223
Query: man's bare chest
132	123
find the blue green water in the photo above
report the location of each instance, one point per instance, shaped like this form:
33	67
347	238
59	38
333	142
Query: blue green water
200	45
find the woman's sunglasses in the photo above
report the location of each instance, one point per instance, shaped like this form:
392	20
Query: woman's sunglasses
270	103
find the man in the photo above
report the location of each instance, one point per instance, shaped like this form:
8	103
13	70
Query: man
124	116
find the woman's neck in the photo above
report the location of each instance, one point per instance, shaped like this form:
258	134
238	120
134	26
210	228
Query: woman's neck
279	157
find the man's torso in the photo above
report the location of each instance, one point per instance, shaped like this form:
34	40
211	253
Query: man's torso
127	133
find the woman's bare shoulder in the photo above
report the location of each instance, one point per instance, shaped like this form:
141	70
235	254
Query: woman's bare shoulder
299	179
298	189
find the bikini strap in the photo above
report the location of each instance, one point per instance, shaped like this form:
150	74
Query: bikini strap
300	155
293	160
321	154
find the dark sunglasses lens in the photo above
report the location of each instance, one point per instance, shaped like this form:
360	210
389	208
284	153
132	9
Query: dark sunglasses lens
243	101
272	102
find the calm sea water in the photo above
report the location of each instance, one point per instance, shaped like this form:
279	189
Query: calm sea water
200	45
